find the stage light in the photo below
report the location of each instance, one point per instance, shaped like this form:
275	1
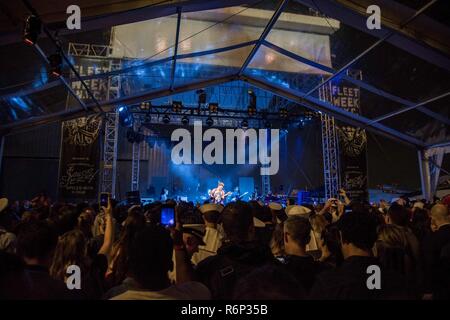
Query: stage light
32	30
125	117
213	107
166	119
145	106
201	96
209	122
252	99
177	106
55	60
185	120
147	121
134	137
301	124
251	108
283	113
244	124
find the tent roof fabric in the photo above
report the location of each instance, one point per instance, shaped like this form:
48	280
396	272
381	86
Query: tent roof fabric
290	49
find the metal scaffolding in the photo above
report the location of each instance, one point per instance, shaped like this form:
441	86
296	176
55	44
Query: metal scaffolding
136	157
330	148
265	178
109	168
110	153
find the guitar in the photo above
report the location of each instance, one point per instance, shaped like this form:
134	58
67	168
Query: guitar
240	196
218	198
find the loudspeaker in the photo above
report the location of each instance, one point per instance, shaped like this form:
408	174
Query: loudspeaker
133	197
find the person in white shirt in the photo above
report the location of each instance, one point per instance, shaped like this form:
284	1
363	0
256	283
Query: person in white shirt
213	236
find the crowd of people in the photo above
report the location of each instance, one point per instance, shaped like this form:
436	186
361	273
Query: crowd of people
243	251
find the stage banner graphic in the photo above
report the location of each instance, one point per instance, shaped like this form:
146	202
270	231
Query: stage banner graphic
80	154
352	142
80	158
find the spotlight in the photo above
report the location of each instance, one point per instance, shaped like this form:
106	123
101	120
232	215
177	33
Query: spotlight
32	30
177	106
213	107
252	99
301	124
147	121
209	122
185	120
125	117
244	124
134	137
283	113
145	106
166	119
55	64
201	96
251	103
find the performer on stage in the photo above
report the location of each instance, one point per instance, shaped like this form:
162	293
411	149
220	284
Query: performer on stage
164	194
217	194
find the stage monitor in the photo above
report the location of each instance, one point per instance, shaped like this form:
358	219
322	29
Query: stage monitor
133	198
246	186
303	197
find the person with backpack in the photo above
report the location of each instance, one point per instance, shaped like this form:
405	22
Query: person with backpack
239	254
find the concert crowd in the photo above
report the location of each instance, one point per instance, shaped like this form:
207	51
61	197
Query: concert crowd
241	251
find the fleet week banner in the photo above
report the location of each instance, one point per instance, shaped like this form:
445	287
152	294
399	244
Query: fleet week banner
79	164
352	142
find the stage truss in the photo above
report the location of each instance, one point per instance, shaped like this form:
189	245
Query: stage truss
330	148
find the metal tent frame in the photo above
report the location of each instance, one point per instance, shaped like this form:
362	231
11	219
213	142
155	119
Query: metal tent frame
396	34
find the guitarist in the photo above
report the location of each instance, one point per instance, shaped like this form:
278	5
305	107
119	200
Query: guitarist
218	195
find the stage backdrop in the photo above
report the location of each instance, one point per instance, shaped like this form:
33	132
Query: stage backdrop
79	165
352	142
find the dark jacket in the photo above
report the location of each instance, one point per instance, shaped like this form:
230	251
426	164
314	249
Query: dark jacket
436	263
221	272
349	282
304	269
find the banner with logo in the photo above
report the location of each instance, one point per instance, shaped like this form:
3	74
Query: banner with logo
80	158
79	164
352	142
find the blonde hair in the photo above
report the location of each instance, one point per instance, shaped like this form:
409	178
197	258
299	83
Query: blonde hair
318	223
70	250
277	241
393	236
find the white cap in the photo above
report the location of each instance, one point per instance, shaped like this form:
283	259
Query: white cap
275	206
418	204
298	211
258	223
211	207
136	206
3	204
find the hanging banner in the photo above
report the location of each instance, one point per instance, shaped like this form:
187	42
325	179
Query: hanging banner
352	142
80	158
79	163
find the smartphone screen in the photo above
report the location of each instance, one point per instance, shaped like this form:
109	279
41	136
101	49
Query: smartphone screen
167	216
104	199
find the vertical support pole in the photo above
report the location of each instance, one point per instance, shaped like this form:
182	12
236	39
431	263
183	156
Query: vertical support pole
136	158
425	177
2	144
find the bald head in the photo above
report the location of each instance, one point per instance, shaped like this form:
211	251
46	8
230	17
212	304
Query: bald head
440	215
